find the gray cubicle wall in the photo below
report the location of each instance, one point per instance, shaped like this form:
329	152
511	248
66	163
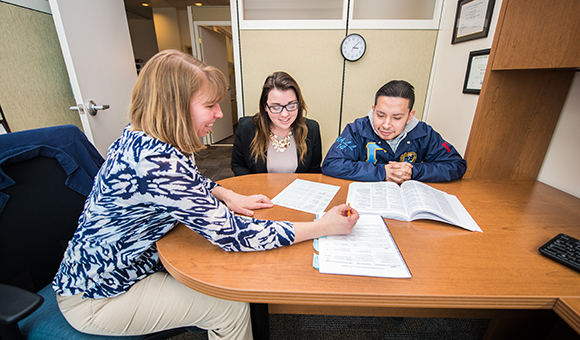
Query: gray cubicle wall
34	86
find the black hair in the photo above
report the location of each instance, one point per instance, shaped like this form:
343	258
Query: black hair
398	89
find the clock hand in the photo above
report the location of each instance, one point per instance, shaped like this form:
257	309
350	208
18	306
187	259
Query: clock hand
355	46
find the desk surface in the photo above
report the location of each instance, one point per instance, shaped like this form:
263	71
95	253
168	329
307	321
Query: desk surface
452	268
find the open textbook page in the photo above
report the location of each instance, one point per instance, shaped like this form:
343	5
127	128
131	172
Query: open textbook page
411	201
382	198
369	250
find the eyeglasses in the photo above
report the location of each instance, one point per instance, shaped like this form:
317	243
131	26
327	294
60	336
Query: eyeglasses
290	107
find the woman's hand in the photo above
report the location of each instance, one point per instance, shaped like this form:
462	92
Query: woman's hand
337	221
241	204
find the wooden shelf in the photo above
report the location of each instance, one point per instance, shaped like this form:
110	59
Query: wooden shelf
539	34
524	91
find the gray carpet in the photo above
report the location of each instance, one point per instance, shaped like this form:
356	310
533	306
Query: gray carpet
319	327
214	162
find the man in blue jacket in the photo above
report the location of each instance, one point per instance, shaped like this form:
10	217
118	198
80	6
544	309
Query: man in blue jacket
390	144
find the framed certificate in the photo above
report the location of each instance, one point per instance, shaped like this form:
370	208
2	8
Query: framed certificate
3	123
472	20
476	66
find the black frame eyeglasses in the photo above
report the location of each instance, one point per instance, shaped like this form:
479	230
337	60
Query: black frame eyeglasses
290	107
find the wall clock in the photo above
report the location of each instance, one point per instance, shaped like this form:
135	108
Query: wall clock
353	47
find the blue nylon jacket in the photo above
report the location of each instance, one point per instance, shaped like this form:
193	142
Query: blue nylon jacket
67	144
359	154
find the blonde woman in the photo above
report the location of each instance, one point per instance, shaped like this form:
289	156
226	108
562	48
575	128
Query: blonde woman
111	281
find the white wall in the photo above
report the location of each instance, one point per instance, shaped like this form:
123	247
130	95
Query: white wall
171	29
561	164
143	38
448	110
451	112
184	29
167	28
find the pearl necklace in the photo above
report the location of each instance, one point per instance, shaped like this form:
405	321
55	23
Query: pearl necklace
280	145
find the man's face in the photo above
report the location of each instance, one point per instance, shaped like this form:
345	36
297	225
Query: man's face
390	116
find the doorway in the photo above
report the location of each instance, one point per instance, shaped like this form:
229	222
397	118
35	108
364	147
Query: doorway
213	45
196	28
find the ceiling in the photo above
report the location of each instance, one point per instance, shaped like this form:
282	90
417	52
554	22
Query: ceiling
136	11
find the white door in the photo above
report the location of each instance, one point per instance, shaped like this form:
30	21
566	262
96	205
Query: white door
214	53
96	45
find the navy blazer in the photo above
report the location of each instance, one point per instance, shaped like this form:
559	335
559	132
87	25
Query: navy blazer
242	162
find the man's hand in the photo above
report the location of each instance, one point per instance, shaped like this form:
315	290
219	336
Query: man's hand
398	172
241	204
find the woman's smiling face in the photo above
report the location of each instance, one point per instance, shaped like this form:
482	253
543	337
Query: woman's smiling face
203	114
281	122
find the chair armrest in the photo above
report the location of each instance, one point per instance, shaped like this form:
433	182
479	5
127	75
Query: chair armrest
17	303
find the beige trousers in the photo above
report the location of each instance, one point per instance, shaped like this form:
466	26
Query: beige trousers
157	303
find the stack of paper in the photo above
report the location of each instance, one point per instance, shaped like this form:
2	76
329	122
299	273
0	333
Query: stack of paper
369	250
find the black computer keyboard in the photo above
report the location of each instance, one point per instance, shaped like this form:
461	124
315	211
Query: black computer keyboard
564	249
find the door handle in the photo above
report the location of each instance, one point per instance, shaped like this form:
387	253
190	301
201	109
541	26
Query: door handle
78	107
92	108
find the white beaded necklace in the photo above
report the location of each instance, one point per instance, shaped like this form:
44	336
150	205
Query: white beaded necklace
280	145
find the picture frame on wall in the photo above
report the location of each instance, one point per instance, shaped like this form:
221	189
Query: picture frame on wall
476	66
472	20
3	123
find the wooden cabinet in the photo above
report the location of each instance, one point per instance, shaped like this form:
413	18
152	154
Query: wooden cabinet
533	58
538	34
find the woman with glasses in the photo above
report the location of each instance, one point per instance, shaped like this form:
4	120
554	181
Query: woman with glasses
278	138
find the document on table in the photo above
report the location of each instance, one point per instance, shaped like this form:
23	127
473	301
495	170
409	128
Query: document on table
308	196
369	250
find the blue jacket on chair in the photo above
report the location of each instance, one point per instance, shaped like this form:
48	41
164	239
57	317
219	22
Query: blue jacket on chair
67	144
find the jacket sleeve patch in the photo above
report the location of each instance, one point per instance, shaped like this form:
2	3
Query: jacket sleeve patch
447	147
409	157
342	144
372	149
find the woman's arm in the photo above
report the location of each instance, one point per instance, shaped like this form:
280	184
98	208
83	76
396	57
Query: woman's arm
239	203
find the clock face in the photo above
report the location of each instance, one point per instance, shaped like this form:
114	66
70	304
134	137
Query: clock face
353	47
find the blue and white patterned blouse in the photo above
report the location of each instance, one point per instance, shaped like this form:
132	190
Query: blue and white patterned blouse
144	188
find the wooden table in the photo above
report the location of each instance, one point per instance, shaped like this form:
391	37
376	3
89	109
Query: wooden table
456	273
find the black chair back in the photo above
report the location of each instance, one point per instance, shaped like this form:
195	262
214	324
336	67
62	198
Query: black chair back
39	218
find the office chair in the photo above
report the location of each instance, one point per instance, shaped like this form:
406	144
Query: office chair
45	176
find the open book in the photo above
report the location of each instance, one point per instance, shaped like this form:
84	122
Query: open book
411	201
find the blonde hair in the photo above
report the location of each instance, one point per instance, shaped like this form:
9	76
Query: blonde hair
281	81
161	98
